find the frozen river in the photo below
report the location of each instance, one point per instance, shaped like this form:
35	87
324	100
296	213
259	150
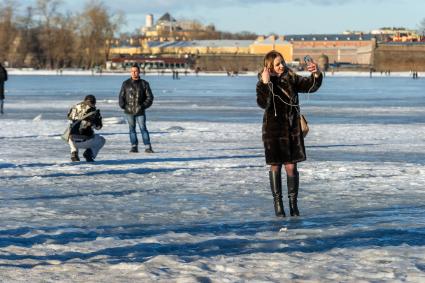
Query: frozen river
396	100
200	208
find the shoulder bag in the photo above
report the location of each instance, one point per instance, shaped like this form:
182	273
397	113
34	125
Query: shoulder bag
66	135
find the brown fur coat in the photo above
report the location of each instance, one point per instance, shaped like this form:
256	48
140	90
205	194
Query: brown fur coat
282	136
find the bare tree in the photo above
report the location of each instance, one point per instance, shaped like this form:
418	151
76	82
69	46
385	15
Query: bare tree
29	47
64	50
422	27
97	29
8	29
47	11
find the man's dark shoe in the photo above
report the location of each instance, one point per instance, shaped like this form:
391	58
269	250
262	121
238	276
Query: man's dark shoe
88	155
134	149
149	150
74	156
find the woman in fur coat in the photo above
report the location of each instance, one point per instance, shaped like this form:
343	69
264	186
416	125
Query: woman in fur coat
277	94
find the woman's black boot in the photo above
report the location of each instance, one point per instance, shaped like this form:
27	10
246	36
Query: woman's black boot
293	183
276	187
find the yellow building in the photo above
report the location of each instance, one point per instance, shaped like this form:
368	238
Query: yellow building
131	50
259	47
130	46
214	47
263	45
168	28
196	47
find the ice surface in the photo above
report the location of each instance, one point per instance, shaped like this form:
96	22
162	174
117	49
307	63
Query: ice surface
200	208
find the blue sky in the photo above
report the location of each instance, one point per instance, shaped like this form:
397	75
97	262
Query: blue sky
273	16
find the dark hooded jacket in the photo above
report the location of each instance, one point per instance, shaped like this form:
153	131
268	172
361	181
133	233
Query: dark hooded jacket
135	96
282	136
3	78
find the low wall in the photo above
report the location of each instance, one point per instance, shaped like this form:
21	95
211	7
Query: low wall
229	62
394	57
406	57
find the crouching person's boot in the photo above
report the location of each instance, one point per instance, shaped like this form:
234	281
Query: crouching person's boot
88	155
293	183
276	187
74	156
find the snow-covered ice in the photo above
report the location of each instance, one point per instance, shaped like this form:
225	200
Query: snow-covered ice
200	208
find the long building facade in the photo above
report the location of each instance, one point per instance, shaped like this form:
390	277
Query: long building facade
169	38
351	49
346	48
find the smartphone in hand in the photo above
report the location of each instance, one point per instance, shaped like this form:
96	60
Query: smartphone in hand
308	59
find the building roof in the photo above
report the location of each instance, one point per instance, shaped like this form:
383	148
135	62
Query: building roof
271	40
222	43
166	18
201	43
328	37
126	43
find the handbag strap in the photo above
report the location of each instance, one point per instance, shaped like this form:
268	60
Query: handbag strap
270	85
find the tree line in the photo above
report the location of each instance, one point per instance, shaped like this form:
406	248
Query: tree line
42	36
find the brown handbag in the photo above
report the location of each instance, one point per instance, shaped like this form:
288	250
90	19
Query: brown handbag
304	126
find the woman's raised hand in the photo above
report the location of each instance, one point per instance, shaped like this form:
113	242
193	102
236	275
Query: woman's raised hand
265	76
312	67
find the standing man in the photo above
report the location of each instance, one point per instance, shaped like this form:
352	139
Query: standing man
134	98
3	78
85	117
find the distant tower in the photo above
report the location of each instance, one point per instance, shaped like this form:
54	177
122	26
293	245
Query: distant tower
149	21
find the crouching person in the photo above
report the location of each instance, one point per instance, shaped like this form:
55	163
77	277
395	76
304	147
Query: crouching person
85	117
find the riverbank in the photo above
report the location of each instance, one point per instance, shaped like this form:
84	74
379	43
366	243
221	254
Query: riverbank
182	73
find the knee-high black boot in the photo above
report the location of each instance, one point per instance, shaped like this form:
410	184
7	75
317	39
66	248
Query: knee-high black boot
276	187
293	183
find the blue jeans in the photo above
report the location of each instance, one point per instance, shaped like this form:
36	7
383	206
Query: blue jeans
141	120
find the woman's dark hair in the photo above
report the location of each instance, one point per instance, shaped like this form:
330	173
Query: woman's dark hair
269	58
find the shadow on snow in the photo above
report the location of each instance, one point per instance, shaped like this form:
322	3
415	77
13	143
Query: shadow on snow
125	162
228	239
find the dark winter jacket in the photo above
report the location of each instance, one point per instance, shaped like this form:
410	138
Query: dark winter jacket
135	96
282	136
3	78
84	129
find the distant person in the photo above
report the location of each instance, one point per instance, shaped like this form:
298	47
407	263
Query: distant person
85	117
134	98
3	78
277	93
